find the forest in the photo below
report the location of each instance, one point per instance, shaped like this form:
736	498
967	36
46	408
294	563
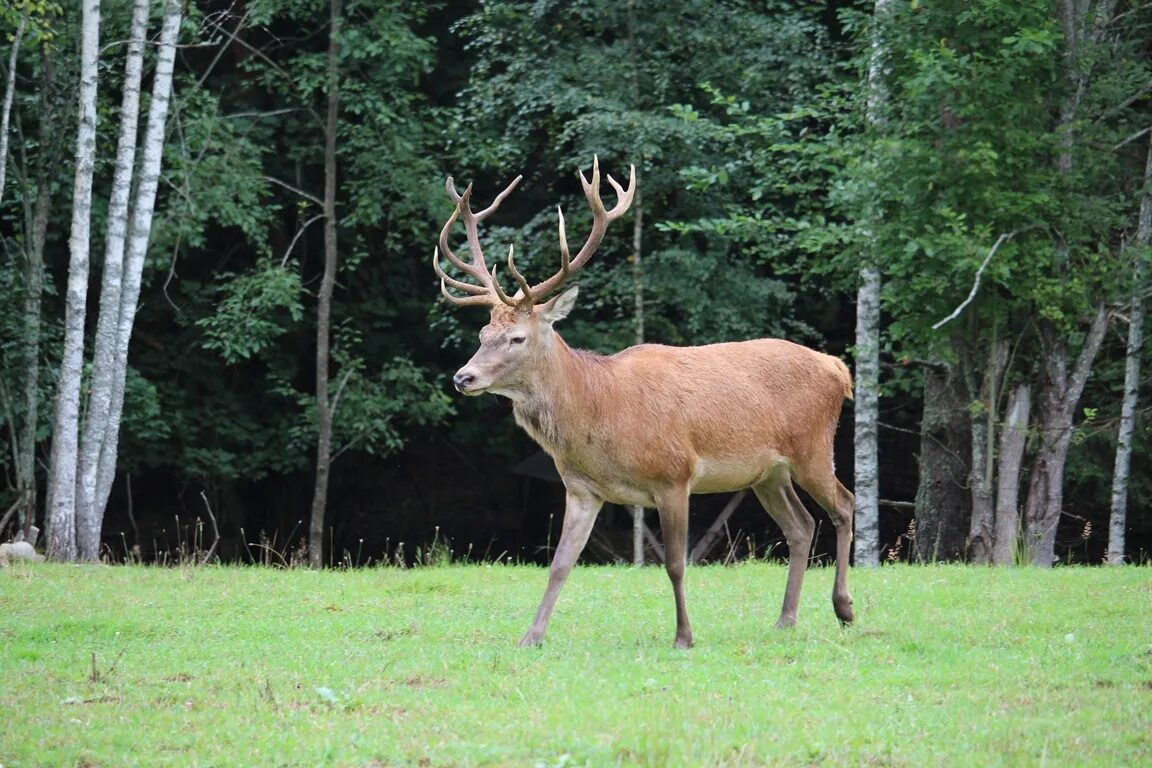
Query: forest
224	335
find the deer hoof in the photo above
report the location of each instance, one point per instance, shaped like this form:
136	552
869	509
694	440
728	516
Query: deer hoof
785	622
843	607
683	642
532	640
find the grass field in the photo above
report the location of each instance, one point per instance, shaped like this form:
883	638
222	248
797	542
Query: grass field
946	666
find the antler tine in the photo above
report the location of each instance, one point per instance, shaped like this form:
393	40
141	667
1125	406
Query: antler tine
446	278
601	218
524	295
477	268
499	199
480	295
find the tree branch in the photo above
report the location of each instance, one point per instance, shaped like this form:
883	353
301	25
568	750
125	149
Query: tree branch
299	232
1005	237
215	531
290	188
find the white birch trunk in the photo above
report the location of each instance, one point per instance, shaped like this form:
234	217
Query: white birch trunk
867	487
88	518
1118	519
867	406
61	508
9	95
638	319
139	230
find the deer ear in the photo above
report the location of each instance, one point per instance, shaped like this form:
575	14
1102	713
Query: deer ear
558	307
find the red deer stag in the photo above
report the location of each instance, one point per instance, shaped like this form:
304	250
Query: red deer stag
653	424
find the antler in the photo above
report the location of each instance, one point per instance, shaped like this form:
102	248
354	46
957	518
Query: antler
488	292
601	218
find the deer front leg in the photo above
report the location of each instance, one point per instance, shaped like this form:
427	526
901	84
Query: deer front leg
579	514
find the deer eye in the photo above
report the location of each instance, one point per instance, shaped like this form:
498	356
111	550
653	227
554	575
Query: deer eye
517	339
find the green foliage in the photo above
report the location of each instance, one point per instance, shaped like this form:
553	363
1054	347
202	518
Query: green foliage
967	149
427	670
41	19
371	408
214	169
252	311
534	97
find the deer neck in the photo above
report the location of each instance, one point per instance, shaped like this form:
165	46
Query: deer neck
556	394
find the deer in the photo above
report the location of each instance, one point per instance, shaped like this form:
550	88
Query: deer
652	424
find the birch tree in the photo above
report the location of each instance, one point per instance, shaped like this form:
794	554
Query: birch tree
1118	518
60	514
81	475
867	394
9	94
103	368
139	232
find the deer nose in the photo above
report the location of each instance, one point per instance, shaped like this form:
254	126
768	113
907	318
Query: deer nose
462	379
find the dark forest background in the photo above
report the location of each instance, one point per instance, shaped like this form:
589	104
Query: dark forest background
766	183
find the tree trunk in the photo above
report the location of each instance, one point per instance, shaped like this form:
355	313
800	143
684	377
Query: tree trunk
637	267
638	319
1060	393
981	472
1058	400
708	540
942	504
139	232
61	511
867	406
324	302
1118	519
103	374
9	95
867	487
1013	440
36	218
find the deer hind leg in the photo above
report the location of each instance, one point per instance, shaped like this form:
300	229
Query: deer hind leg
839	503
579	515
673	508
780	500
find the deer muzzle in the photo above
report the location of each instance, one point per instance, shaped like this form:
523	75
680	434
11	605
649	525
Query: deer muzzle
464	380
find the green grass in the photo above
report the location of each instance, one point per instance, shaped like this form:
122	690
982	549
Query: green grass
946	666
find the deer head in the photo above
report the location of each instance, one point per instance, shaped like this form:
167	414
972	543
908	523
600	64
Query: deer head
515	342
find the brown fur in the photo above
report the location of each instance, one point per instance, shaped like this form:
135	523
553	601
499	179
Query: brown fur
652	424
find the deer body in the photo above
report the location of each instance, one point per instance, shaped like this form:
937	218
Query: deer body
653	424
716	418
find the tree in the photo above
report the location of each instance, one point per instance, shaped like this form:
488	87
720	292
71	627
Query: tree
9	94
867	394
88	516
1118	518
32	185
81	475
1089	46
324	406
61	506
348	113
